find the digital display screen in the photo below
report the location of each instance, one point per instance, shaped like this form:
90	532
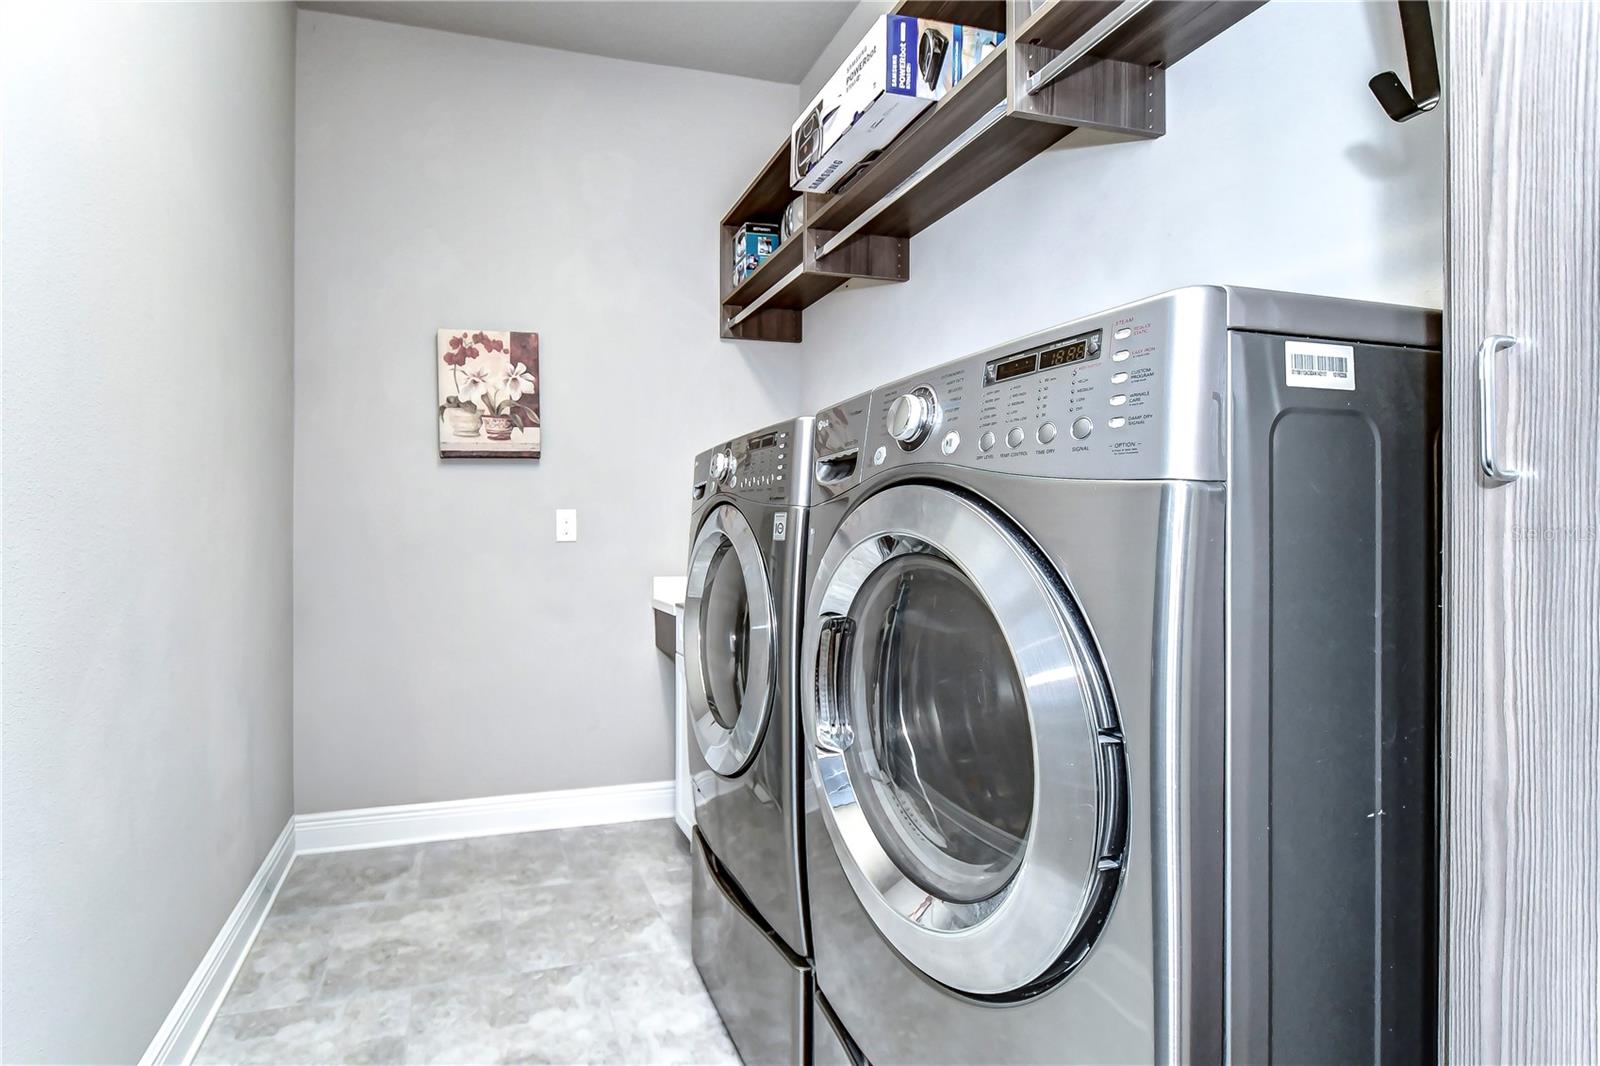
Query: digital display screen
768	441
1023	364
1071	352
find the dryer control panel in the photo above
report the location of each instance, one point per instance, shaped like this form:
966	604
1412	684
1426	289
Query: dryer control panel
1138	392
767	466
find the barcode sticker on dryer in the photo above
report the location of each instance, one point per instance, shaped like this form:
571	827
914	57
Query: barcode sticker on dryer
1319	366
780	526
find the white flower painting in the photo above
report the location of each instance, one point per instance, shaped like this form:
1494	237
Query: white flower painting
488	394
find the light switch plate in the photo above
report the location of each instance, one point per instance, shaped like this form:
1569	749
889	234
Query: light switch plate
566	524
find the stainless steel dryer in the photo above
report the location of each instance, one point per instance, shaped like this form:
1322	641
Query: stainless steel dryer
1118	688
740	636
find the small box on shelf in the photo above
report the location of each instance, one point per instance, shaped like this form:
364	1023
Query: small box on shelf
753	244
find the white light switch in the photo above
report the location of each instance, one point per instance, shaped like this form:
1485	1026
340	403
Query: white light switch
566	524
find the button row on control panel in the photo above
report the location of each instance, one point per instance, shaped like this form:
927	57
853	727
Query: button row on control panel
756	480
1014	437
1081	428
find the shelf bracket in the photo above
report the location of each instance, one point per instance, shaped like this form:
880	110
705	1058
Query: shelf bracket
1422	62
915	178
1083	45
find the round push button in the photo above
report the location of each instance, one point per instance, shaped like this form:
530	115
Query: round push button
1082	428
986	441
1047	433
951	442
1014	438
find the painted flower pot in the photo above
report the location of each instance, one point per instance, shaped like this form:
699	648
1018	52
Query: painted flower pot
464	421
498	427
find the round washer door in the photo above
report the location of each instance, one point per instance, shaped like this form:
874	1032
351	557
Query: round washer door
964	741
728	637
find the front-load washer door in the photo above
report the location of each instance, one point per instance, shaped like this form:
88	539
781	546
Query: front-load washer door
965	743
728	634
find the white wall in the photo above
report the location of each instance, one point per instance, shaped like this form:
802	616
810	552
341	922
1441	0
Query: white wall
445	645
1278	169
146	522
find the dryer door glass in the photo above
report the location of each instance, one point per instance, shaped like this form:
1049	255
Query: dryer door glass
725	637
947	751
964	742
728	641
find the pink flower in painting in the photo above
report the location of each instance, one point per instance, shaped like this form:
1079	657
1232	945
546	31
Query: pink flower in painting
488	343
461	349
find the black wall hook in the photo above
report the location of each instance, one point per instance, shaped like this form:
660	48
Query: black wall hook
1422	61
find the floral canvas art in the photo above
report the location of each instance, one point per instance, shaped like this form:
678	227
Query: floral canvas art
488	394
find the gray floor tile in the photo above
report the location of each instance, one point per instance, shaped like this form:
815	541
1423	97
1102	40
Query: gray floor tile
524	859
673	892
453	867
284	968
637	847
341	877
563	946
661	1011
369	1029
582	921
422	942
552	1016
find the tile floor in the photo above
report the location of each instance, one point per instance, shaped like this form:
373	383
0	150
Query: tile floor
568	946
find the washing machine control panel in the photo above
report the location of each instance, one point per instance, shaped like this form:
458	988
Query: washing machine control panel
768	466
1137	392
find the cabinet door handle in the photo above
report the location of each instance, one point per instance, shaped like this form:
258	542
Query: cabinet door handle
1488	441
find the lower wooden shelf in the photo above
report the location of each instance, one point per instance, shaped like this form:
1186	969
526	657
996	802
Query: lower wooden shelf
767	305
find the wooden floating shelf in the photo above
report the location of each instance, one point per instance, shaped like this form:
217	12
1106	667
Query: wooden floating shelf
766	305
1064	65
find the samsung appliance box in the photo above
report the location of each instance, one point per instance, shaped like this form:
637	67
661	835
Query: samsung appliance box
901	67
753	245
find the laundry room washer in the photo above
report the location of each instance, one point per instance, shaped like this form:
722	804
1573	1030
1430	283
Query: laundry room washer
742	606
1119	692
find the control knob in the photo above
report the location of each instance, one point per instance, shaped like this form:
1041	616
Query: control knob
721	466
911	417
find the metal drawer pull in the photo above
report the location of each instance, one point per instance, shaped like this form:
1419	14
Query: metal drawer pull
1488	455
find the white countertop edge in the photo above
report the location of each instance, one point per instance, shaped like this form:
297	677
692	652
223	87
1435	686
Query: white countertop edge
666	593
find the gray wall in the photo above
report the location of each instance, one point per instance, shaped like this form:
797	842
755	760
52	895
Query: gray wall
146	476
1279	169
445	646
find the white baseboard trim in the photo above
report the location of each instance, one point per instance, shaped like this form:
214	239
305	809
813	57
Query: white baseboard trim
415	823
179	1036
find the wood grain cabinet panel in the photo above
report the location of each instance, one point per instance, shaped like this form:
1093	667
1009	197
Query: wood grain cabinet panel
1521	589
